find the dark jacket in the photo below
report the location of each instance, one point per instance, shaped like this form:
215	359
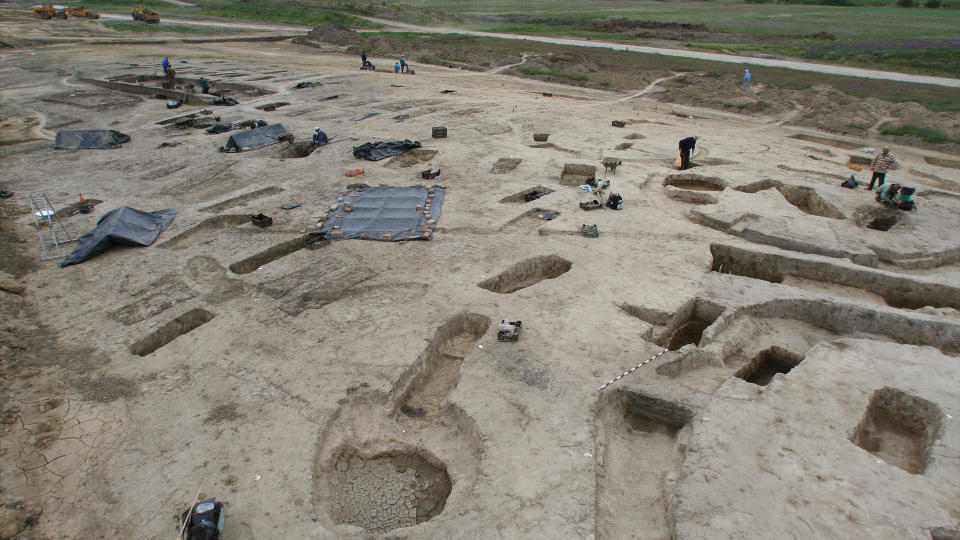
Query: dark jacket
688	144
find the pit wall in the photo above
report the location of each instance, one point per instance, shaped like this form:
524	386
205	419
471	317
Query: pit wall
897	290
912	329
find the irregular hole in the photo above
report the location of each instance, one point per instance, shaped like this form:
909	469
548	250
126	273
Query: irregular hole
527	273
688	324
505	165
189	321
527	195
759	185
388	490
696	182
883	223
635	136
298	149
272	106
242	199
807	200
761	369
269	255
75	207
899	428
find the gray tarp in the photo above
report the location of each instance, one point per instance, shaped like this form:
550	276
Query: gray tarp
378	211
124	226
378	151
76	139
256	138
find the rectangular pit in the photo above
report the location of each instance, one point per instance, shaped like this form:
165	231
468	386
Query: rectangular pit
188	322
899	428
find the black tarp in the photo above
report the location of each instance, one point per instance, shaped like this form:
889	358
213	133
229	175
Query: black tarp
76	139
375	212
124	226
256	138
378	151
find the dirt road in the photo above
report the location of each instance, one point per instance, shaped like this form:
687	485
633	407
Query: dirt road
769	62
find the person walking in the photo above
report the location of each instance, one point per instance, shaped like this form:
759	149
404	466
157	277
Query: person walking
746	79
403	64
686	146
883	162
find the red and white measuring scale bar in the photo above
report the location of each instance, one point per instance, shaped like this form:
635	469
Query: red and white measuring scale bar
631	370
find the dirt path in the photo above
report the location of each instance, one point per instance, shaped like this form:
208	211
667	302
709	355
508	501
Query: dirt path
225	24
769	62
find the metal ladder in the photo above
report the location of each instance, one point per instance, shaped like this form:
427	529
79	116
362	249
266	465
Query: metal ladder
51	230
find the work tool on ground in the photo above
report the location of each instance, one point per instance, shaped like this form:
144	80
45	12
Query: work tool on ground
509	330
51	230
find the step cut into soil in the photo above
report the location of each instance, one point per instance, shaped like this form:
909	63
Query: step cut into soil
899	428
188	322
527	273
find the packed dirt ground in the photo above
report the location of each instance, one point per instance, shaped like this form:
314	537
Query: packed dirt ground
357	388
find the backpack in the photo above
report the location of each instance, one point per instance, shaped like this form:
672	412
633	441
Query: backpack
615	201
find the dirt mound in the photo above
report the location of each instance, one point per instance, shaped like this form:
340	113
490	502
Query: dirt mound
411	158
338	35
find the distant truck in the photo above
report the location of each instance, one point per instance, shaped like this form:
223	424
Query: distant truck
49	11
82	13
141	13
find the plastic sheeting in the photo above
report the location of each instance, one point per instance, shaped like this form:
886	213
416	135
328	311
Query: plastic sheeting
375	212
124	226
256	138
78	139
378	151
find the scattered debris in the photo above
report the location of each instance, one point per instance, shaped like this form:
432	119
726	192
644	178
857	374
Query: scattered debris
290	206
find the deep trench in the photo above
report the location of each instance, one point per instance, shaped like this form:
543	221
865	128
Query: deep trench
189	321
269	255
527	273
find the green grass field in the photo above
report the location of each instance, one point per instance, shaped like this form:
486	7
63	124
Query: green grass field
875	36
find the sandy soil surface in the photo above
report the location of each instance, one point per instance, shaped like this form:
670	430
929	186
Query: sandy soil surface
358	389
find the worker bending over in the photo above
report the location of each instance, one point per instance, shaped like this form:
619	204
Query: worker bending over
319	137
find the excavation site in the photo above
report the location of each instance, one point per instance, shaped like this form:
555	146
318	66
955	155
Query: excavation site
274	295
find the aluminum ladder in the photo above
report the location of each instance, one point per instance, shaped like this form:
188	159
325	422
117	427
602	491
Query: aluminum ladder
51	230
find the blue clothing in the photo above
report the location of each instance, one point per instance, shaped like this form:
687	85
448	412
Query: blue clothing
320	138
746	80
396	68
363	58
166	63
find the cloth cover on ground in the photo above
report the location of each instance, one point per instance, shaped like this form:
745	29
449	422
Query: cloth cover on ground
76	139
256	138
380	150
375	212
124	226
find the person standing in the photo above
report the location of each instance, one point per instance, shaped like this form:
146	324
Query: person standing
746	79
883	162
686	146
165	64
403	64
363	60
204	85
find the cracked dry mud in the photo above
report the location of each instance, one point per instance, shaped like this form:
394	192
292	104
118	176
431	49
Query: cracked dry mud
357	389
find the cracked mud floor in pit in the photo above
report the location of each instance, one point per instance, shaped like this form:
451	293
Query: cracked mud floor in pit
383	493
